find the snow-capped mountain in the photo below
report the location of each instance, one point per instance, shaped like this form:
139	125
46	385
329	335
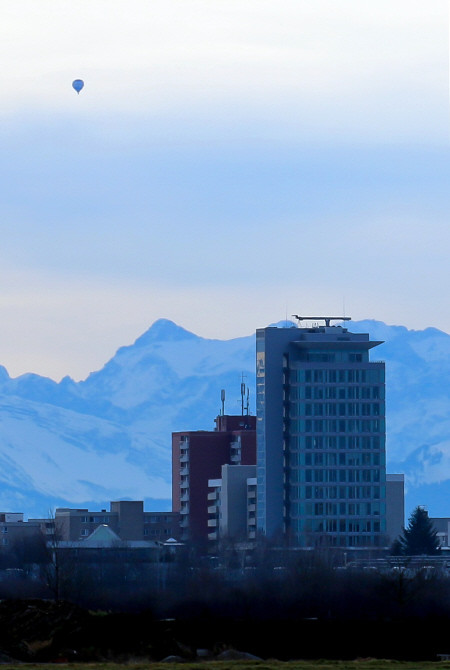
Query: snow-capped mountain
108	437
418	410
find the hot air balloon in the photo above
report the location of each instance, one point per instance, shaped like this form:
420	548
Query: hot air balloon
78	85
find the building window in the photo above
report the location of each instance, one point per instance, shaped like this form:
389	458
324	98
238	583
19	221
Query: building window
84	532
4	529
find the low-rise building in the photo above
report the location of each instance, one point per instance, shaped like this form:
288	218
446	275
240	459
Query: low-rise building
126	518
442	526
14	530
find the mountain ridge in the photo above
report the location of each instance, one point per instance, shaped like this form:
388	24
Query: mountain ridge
108	436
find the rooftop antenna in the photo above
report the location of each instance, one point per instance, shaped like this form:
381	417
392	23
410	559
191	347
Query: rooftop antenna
247	406
242	394
222	397
327	319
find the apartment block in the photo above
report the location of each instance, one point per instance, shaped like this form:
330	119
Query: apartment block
197	457
232	504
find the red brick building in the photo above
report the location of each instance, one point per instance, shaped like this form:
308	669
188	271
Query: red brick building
198	456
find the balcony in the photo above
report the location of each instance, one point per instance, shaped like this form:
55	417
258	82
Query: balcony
184	523
212	523
236	458
184	471
184	458
185	497
213	536
213	495
251	508
184	509
184	485
213	509
251	521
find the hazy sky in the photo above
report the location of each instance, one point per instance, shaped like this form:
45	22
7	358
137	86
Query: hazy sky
227	162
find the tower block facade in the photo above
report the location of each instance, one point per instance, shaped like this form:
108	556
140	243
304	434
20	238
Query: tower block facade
321	473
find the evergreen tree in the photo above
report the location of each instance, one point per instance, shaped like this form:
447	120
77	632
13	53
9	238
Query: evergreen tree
420	537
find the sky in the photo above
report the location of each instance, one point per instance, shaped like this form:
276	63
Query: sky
227	163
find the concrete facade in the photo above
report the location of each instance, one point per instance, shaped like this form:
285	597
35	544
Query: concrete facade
15	531
232	504
395	506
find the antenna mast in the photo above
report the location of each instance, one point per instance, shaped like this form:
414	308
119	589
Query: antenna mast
242	395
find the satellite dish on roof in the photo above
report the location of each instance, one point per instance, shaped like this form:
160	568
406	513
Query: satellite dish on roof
78	84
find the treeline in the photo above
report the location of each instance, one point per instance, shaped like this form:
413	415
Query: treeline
305	610
268	602
262	584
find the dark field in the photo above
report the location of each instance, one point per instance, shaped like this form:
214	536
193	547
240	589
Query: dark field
304	612
358	664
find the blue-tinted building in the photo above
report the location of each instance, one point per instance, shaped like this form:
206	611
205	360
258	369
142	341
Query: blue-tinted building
321	473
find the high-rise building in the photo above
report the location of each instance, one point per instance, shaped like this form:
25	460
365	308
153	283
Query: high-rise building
321	475
198	456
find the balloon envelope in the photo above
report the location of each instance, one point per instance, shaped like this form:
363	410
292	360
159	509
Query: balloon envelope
78	84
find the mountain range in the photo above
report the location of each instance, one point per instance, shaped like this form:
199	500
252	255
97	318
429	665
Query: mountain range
108	437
